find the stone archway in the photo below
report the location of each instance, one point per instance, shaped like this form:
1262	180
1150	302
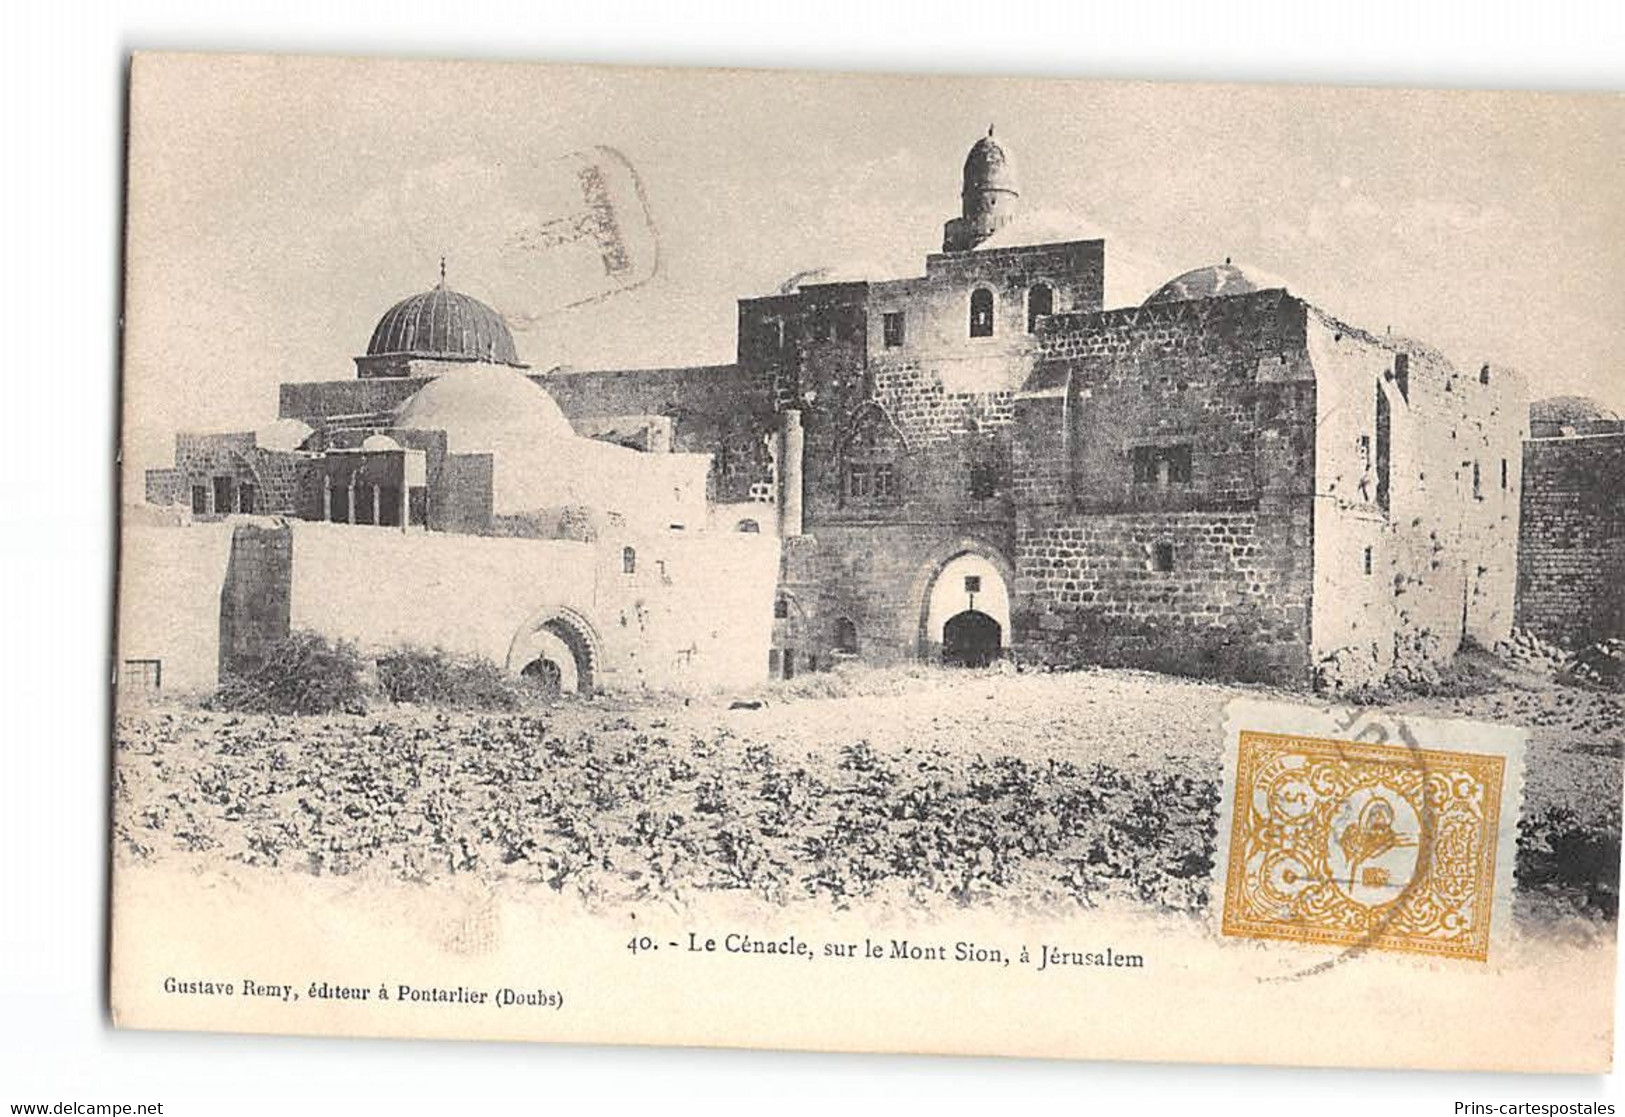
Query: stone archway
968	576
559	650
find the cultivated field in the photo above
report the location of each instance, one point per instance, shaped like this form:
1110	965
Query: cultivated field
915	786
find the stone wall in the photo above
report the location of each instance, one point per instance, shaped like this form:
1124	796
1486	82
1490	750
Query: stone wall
170	581
255	598
1233	602
1162	467
1412	554
1571	547
714	409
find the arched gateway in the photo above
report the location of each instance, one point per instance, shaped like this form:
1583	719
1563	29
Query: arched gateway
964	605
557	649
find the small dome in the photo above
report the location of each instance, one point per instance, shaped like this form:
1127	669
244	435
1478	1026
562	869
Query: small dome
283	434
1213	282
853	271
379	443
989	167
486	409
446	324
1570	411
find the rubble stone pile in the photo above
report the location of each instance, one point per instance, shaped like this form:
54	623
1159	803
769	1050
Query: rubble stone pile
1524	649
1602	664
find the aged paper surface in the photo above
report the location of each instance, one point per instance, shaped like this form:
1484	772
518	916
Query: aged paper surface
678	557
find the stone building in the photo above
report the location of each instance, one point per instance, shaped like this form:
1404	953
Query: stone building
442	500
984	460
1571	546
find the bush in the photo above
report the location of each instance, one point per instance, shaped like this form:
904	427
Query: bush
303	674
438	678
1570	863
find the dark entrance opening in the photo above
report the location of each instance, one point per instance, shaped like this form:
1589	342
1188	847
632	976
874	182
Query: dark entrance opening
544	674
970	639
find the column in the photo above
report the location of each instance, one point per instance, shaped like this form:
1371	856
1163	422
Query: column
790	448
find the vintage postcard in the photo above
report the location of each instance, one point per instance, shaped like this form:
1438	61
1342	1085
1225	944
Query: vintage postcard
849	562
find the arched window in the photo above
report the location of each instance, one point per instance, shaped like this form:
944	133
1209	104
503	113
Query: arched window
749	527
846	636
629	560
981	313
1040	301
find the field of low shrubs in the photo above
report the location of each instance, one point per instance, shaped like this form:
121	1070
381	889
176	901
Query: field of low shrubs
622	812
910	784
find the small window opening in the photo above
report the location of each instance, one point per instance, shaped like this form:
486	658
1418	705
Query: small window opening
142	675
749	527
885	481
781	609
1478	487
892	330
1366	561
984	481
1505	484
859	481
1162	557
846	636
1040	302
1402	374
973	583
629	560
1484	375
1161	465
981	313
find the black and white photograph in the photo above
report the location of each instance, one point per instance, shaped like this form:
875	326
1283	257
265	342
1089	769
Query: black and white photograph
827	560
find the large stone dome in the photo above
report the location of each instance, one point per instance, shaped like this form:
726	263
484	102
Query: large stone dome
446	325
488	409
1212	282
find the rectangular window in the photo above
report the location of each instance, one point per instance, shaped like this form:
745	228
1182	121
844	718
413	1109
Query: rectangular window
973	583
1367	560
984	481
892	327
1162	465
142	675
859	483
1365	451
1162	557
1478	485
1504	483
200	500
885	481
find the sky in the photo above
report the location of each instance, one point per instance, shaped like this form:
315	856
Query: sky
278	206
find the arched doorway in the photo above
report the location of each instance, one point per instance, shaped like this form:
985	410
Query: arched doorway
971	639
969	590
557	651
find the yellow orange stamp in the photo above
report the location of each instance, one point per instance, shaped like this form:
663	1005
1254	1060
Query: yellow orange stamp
1371	840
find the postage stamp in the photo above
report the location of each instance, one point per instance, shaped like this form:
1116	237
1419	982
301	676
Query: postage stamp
1373	833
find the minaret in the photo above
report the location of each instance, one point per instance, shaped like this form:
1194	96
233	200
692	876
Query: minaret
988	197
